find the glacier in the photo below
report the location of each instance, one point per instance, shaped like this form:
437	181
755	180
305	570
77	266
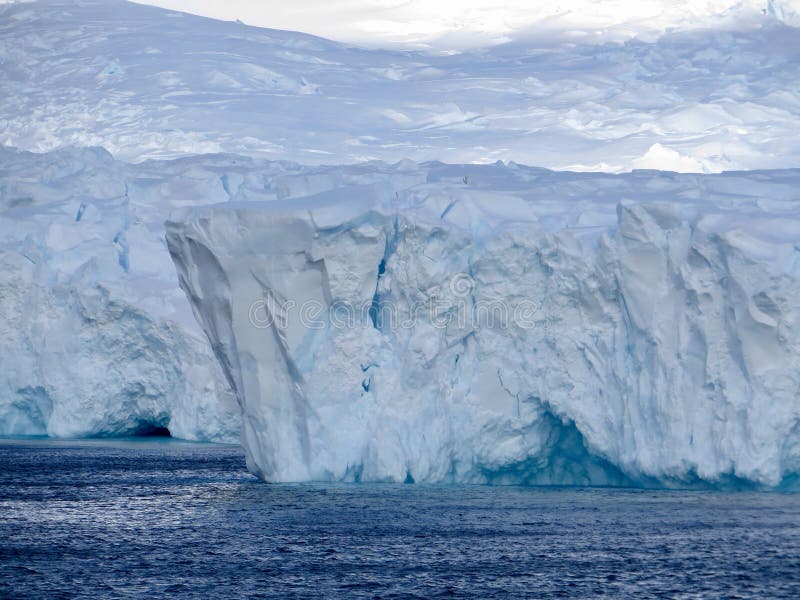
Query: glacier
147	83
373	315
508	324
96	337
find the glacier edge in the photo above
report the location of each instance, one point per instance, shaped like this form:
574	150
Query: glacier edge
651	335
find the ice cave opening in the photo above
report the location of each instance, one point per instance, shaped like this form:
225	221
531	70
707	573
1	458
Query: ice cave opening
147	429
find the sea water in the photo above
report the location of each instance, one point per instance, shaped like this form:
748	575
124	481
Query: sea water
143	518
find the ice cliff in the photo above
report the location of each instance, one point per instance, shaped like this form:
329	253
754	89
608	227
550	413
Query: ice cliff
422	322
96	337
507	324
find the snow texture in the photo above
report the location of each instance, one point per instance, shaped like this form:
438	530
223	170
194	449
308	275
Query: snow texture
144	83
652	333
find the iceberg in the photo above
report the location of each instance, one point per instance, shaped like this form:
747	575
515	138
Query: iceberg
506	324
408	322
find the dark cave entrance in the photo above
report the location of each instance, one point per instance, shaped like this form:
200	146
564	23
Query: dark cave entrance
151	430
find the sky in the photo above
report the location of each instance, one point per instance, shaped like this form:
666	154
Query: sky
459	24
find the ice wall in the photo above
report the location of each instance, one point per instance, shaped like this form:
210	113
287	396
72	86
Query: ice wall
96	337
506	324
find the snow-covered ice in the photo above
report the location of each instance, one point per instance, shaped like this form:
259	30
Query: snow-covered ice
452	25
509	324
143	82
566	327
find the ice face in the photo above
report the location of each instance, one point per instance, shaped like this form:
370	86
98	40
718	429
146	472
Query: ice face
95	337
449	323
507	324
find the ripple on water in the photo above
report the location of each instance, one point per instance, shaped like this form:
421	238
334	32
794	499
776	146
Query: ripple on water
134	519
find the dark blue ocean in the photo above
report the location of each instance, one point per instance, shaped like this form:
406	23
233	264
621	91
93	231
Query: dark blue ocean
142	519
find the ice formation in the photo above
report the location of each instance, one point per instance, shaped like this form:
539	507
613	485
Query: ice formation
482	23
647	321
95	337
509	324
147	83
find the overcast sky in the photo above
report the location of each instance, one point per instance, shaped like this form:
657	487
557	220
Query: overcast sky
458	23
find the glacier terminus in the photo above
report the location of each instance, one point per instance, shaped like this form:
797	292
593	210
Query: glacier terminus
505	324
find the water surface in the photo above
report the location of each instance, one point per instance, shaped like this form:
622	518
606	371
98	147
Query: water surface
133	519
